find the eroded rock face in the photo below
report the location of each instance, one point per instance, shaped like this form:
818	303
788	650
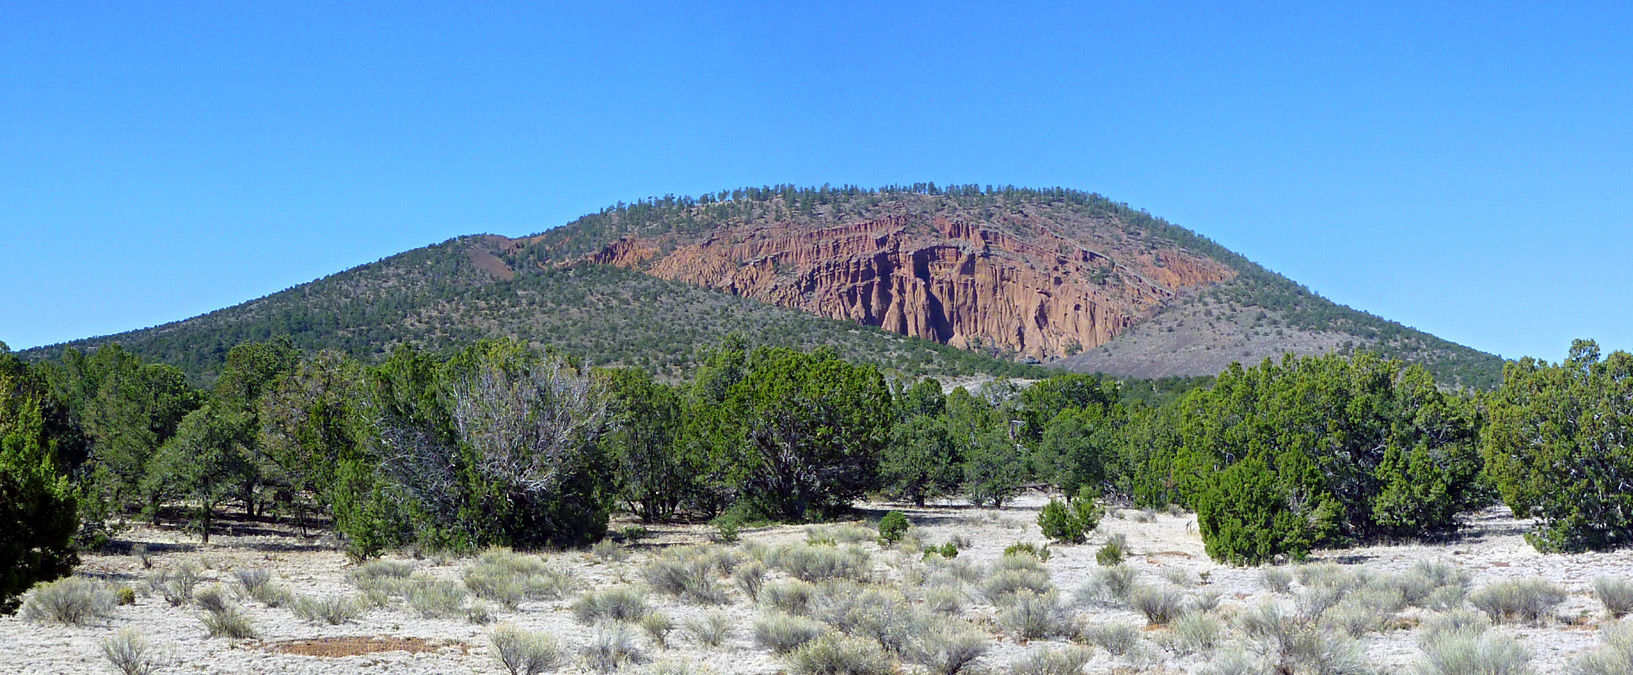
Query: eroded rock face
1028	284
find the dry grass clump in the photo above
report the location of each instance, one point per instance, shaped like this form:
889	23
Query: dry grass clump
1116	638
509	578
1196	633
131	654
1295	642
783	633
835	654
792	596
1053	661
1474	653
71	601
433	598
658	625
1525	600
1615	594
175	587
620	603
523	652
1433	585
331	609
380	569
1033	616
843	533
711	629
1614	657
822	563
947	647
612	646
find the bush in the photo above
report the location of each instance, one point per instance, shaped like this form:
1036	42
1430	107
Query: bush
1297	643
944	600
1053	661
252	581
71	602
176	587
711	629
822	563
39	512
1436	626
658	625
435	598
1159	604
332	609
523	652
1614	657
789	595
782	633
210	598
1116	638
892	527
1071	523
228	622
130	653
611	647
835	654
727	529
1276	579
613	604
1017	549
1030	616
1615	594
691	578
750	578
1113	552
1008	582
509	578
124	595
947	648
1527	600
1197	632
1110	586
1474	653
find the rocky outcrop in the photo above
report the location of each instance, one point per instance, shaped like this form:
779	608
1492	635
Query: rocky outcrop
1020	285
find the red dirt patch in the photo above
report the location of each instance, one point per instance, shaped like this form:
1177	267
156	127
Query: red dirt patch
337	647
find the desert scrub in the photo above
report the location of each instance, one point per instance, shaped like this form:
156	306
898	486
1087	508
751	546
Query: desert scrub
878	613
141	554
1020	548
1525	600
1474	653
330	609
1004	583
1613	657
71	601
260	586
1205	601
1196	633
1365	609
1295	642
510	578
175	587
1109	586
943	600
789	595
892	528
131	654
835	654
612	646
1053	661
228	622
620	603
1071	523
433	598
1276	579
1436	626
1030	616
1116	638
1113	552
947	647
691	578
523	652
711	629
783	633
211	598
844	533
609	551
1615	594
658	626
1432	584
1159	604
124	595
750	578
821	563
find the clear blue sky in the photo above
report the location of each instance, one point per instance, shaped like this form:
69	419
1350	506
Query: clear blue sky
1464	168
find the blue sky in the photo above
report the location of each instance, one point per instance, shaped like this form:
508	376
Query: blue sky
1464	171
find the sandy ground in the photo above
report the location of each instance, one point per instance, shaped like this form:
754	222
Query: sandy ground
1491	548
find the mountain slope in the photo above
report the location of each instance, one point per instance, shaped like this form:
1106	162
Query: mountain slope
1011	275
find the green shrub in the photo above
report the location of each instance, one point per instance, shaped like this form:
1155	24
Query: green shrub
435	598
619	603
1030	616
1058	523
711	629
892	527
124	595
330	609
1039	553
228	622
1053	661
39	510
658	625
1113	552
750	578
523	652
1474	653
1117	639
1197	633
1159	604
612	646
947	648
727	528
834	654
71	602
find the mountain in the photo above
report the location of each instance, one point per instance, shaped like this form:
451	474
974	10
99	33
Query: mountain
1009	276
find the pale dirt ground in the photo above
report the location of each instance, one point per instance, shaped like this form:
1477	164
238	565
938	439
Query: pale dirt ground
1491	549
